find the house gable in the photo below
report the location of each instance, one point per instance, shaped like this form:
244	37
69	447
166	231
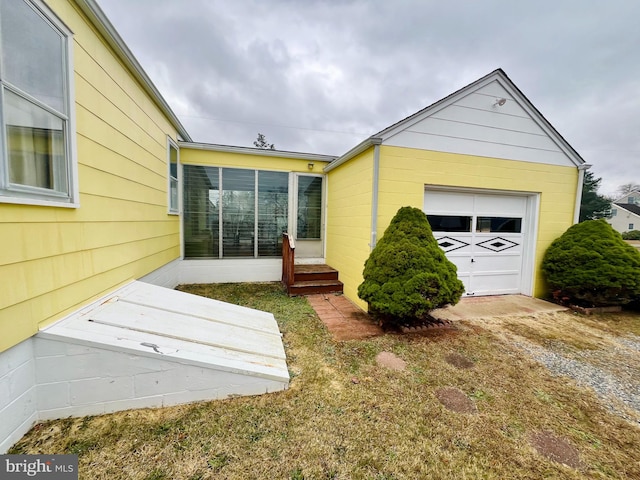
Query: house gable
488	118
624	217
632	197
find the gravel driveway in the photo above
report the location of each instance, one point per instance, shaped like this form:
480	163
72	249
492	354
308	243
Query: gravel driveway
595	358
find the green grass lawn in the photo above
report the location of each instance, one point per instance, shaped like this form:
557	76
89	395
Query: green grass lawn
344	417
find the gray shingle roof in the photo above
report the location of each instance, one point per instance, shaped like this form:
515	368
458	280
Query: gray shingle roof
632	207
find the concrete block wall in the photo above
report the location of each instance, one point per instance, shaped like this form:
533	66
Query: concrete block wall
18	393
44	379
74	380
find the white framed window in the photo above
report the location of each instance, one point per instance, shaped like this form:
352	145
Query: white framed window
173	160
631	226
37	152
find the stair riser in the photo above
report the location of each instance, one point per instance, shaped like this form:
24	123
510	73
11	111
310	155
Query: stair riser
310	290
311	276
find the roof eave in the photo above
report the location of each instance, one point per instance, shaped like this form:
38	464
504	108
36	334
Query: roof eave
264	152
357	150
92	10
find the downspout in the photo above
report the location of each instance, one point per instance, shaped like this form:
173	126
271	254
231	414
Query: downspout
581	169
374	194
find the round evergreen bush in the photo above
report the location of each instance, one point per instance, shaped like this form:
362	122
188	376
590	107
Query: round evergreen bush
407	274
592	266
631	235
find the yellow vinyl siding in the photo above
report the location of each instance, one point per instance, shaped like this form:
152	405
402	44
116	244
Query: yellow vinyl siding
55	260
193	156
404	172
349	220
42	240
69	298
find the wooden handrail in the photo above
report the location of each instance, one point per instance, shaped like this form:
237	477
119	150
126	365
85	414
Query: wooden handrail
288	259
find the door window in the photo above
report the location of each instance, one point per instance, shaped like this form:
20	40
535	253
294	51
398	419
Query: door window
309	208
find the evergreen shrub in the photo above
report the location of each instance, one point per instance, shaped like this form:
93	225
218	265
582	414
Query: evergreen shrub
631	235
407	274
590	265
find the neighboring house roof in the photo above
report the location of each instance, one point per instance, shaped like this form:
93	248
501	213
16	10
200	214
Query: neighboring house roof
630	207
497	75
91	9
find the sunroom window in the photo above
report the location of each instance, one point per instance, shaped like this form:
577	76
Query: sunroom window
173	177
233	212
35	159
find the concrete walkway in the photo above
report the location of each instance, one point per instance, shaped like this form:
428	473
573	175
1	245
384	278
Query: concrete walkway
346	321
470	308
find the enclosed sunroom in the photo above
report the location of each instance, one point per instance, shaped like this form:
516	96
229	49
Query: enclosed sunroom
238	202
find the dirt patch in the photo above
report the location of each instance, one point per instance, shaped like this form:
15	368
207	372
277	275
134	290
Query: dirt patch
556	448
459	361
391	361
455	400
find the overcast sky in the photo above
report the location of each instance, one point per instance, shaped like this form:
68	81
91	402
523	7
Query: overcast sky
320	76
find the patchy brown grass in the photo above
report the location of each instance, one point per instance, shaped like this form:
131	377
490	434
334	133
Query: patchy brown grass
624	323
344	417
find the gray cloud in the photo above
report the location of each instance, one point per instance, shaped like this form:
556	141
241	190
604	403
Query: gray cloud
320	76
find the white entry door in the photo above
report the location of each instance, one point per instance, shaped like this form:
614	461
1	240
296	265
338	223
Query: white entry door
483	235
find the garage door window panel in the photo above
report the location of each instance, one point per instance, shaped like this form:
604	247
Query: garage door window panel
499	225
450	223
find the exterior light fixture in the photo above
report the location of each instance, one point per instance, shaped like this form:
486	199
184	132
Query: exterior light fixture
500	102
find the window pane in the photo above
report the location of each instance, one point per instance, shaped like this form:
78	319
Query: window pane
309	207
273	207
238	212
173	194
499	224
201	212
449	223
173	161
173	179
35	145
32	54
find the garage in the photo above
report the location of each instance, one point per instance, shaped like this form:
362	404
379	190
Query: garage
487	235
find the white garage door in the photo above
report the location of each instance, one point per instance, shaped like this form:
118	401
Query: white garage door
483	235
